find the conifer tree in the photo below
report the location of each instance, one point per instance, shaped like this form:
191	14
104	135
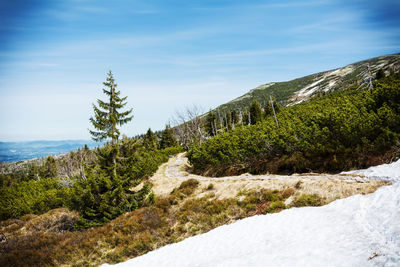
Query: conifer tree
104	196
380	74
168	138
228	121
234	116
255	112
150	141
107	116
245	117
106	192
211	123
268	108
49	168
33	172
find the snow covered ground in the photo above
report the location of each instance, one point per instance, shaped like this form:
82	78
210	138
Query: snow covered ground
362	230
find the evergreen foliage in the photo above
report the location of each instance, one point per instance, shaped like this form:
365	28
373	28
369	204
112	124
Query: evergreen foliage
342	130
107	115
103	196
228	121
49	168
33	196
150	141
235	117
211	123
245	117
105	193
380	74
99	196
168	138
255	112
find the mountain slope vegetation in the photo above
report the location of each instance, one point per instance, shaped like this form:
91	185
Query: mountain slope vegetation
346	129
302	89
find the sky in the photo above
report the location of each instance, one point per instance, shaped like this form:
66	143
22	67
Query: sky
167	55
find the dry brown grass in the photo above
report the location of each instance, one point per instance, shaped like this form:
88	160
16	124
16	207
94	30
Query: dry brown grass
328	186
56	221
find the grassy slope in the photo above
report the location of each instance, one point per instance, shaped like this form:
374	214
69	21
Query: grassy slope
42	240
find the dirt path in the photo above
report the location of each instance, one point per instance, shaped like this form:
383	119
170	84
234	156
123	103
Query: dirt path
331	187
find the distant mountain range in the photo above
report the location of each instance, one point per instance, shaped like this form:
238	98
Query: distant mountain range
17	151
301	89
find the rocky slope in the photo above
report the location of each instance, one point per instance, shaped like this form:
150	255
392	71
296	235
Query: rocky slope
302	89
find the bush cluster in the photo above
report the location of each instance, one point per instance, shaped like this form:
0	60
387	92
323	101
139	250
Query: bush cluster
305	200
341	130
31	197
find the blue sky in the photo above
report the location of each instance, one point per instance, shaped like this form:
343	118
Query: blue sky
166	55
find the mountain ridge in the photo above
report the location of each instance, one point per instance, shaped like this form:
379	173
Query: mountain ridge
301	89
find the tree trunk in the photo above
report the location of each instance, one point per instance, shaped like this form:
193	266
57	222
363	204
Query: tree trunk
113	141
273	110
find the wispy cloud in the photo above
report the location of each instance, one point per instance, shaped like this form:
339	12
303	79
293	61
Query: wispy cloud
330	22
296	4
69	12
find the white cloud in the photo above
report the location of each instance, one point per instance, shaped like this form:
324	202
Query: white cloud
295	4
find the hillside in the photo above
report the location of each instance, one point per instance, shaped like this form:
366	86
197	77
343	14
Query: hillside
185	205
302	89
357	231
342	130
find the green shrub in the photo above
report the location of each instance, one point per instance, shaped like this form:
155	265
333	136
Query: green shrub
34	196
277	206
169	151
308	200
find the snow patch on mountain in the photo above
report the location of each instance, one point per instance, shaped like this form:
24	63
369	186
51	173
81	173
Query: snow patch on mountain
342	71
309	89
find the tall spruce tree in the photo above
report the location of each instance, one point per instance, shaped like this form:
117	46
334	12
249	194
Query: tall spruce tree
107	116
106	192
